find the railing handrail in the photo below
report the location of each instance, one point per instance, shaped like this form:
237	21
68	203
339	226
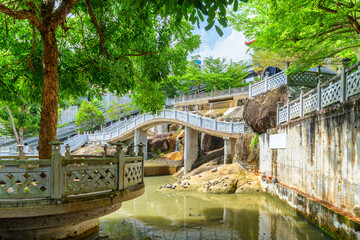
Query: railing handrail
211	94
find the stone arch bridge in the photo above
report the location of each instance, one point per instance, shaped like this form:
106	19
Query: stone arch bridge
137	128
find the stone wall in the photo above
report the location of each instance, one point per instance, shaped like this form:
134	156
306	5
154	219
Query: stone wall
322	155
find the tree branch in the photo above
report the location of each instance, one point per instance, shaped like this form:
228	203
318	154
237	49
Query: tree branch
20	14
96	24
63	10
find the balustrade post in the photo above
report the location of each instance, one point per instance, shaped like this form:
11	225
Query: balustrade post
201	120
187	116
302	89
215	122
175	113
250	90
164	112
343	82
288	108
278	113
195	95
105	147
141	154
21	153
230	90
67	152
56	170
231	125
266	81
212	92
319	102
119	155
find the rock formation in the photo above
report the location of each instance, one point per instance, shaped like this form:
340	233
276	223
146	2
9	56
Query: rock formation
260	112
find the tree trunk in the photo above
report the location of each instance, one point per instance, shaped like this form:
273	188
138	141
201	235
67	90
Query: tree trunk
49	103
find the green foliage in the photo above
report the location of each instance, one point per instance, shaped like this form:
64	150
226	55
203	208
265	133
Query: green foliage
26	120
89	117
218	75
63	125
308	31
254	142
117	111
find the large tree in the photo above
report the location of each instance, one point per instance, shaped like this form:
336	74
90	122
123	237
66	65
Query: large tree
308	31
115	45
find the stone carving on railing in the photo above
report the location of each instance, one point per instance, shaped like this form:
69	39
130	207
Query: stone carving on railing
62	176
337	89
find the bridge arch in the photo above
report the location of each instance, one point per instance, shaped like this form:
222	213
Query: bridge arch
137	127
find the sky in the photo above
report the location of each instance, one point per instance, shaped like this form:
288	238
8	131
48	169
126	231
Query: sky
230	46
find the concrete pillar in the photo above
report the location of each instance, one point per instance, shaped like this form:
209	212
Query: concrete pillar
229	149
140	136
191	148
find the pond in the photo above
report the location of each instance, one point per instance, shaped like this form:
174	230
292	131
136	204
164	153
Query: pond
192	215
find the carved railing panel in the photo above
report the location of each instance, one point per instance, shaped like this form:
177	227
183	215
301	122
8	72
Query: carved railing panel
295	110
277	80
310	103
353	83
330	94
132	173
24	182
283	115
87	179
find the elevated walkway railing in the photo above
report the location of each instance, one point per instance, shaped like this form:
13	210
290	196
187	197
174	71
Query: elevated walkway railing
195	120
212	94
337	89
60	177
307	79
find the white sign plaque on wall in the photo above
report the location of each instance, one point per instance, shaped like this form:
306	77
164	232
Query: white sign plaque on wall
278	141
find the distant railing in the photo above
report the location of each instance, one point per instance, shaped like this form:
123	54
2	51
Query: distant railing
337	89
307	79
69	175
213	93
195	120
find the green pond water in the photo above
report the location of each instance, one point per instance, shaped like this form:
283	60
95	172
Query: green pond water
190	215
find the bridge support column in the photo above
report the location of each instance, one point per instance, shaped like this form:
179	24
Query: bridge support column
229	148
191	148
140	136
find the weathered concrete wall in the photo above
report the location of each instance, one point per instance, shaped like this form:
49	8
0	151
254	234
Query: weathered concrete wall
322	155
323	215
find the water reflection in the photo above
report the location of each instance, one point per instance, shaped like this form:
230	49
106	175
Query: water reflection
159	215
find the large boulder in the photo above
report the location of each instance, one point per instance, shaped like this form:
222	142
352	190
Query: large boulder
245	152
162	142
260	111
209	143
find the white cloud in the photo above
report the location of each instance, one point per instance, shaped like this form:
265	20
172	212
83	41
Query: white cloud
231	46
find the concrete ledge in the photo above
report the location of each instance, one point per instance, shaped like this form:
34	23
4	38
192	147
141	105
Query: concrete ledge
159	170
336	223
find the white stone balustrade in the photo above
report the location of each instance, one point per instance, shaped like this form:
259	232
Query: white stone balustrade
195	120
337	89
211	94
